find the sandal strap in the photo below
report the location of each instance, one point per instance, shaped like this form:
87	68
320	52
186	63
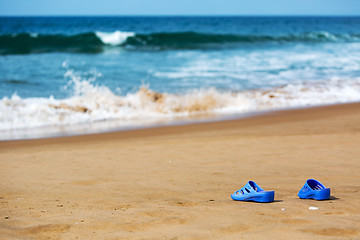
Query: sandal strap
250	187
312	185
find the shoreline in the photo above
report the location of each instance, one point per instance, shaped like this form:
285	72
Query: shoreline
175	182
248	119
196	120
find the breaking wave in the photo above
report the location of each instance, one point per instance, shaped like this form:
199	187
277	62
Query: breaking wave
94	42
91	103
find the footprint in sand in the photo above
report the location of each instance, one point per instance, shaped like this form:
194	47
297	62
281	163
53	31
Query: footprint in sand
296	221
334	231
46	231
234	228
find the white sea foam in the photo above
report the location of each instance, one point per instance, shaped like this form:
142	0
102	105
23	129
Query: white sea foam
114	38
91	104
34	35
326	36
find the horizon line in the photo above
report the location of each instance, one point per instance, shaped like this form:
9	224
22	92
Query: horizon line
184	15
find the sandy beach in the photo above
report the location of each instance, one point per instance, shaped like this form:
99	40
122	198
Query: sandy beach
175	182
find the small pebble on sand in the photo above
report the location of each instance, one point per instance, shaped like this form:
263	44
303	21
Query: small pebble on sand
313	208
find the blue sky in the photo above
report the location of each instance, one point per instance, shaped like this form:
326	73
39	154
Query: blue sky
180	7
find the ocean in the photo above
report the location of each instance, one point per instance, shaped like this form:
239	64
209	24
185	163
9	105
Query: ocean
76	75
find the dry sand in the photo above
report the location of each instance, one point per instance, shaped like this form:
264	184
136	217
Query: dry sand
176	182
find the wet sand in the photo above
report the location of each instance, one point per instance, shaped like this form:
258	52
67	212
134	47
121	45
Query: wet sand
175	182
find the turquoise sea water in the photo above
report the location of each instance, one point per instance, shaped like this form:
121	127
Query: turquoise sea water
58	74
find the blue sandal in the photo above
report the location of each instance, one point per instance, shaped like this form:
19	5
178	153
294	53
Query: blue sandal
252	192
315	190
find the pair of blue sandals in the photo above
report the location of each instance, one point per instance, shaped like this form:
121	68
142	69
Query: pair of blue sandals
312	189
